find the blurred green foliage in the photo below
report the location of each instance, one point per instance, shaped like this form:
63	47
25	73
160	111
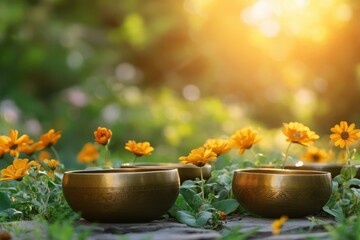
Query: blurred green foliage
125	65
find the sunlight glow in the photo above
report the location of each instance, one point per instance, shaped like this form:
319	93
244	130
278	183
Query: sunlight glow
302	18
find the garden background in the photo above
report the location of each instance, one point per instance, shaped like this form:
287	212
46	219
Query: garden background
175	73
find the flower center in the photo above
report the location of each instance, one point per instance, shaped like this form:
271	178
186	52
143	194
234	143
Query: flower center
316	157
13	147
297	134
345	135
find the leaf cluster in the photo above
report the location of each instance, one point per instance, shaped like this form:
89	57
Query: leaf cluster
209	212
344	201
37	195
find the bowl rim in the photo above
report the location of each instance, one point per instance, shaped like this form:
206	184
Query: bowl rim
163	164
282	172
121	171
322	164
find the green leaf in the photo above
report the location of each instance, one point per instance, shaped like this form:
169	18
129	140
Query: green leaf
227	206
349	172
192	198
354	182
224	179
189	184
187	218
5	202
202	218
180	205
222	194
336	212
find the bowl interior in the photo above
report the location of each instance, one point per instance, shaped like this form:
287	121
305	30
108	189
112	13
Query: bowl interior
186	171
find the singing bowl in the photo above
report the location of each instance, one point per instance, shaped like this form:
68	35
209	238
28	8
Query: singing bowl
333	168
275	192
121	195
186	171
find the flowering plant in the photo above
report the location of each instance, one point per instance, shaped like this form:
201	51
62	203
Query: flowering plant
36	190
34	175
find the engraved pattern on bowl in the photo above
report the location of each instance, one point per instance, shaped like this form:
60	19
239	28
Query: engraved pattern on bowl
121	195
275	192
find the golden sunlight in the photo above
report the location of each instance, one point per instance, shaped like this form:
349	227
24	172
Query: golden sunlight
299	18
280	50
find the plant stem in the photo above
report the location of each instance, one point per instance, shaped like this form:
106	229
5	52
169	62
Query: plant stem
286	155
255	156
106	154
202	184
134	159
347	157
55	153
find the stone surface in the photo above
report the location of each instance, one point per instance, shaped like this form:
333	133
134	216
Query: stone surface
166	229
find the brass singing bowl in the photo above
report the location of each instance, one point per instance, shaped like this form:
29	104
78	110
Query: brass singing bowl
121	195
186	171
333	168
275	192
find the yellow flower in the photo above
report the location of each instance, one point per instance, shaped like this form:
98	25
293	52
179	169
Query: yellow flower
89	153
199	157
102	135
17	170
50	173
277	224
314	154
37	165
50	138
52	164
13	144
244	139
2	152
139	149
44	155
299	133
30	149
343	134
218	146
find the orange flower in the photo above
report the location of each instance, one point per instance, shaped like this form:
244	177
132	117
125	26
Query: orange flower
102	135
199	157
2	152
44	155
52	164
244	139
37	165
219	146
13	144
30	149
314	154
50	138
278	224
89	153
17	170
343	134
139	149
299	133
50	173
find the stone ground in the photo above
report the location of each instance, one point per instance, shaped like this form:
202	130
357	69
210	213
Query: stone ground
293	229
